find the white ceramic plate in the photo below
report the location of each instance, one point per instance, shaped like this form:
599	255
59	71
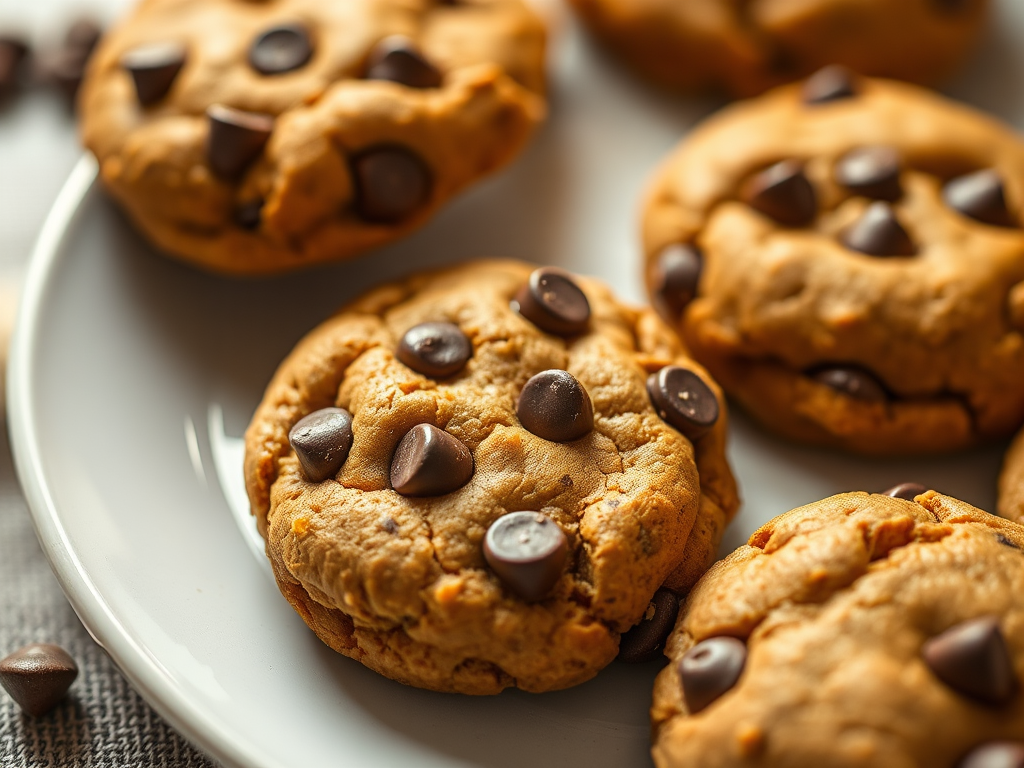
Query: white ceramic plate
133	378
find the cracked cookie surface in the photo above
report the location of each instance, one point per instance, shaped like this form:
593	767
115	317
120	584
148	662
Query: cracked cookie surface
403	582
257	137
848	618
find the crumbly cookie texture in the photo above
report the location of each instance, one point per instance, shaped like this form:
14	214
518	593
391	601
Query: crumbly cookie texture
846	258
748	47
448	92
401	581
1011	482
877	631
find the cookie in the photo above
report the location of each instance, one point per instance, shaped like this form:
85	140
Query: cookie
859	630
249	137
748	47
846	257
464	483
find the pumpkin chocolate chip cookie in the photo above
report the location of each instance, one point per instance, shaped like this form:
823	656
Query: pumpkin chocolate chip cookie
846	257
859	630
480	478
251	137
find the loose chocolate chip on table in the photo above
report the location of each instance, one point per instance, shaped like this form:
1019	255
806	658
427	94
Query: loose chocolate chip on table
555	406
396	58
281	49
906	491
644	641
65	67
980	196
710	669
430	462
853	382
435	349
683	400
553	301
321	442
249	215
879	233
391	183
972	658
676	275
782	192
995	754
153	69
829	84
236	138
38	676
871	172
13	51
528	551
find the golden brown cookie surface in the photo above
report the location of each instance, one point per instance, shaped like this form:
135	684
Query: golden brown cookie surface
347	125
420	584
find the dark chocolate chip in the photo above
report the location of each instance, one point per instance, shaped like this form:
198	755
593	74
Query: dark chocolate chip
38	676
684	400
396	58
249	215
281	49
65	67
528	551
236	138
995	754
906	491
980	196
83	36
676	274
391	184
1006	542
644	641
13	51
321	442
879	233
871	172
829	84
553	301
153	69
555	406
784	193
972	658
711	669
852	382
435	349
430	462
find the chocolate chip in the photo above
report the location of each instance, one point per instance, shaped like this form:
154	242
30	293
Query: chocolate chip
38	676
710	669
321	442
83	36
782	192
683	400
906	491
236	138
952	6
972	658
528	551
644	641
676	274
435	349
1006	542
391	183
281	49
430	462
249	215
871	172
879	233
995	754
13	52
555	406
852	382
553	302
980	196
829	84
65	67
153	69
396	58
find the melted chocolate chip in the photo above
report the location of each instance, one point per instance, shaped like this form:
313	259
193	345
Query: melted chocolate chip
249	215
995	754
644	641
38	676
906	491
711	669
528	551
391	184
980	196
321	442
430	462
555	406
784	193
235	139
676	274
871	172
435	349
396	58
829	84
879	233
852	382
972	658
154	69
281	49
683	400
553	301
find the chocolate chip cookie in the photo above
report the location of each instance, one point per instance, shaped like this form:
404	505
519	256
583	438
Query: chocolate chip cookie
860	630
250	137
479	478
747	47
846	257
